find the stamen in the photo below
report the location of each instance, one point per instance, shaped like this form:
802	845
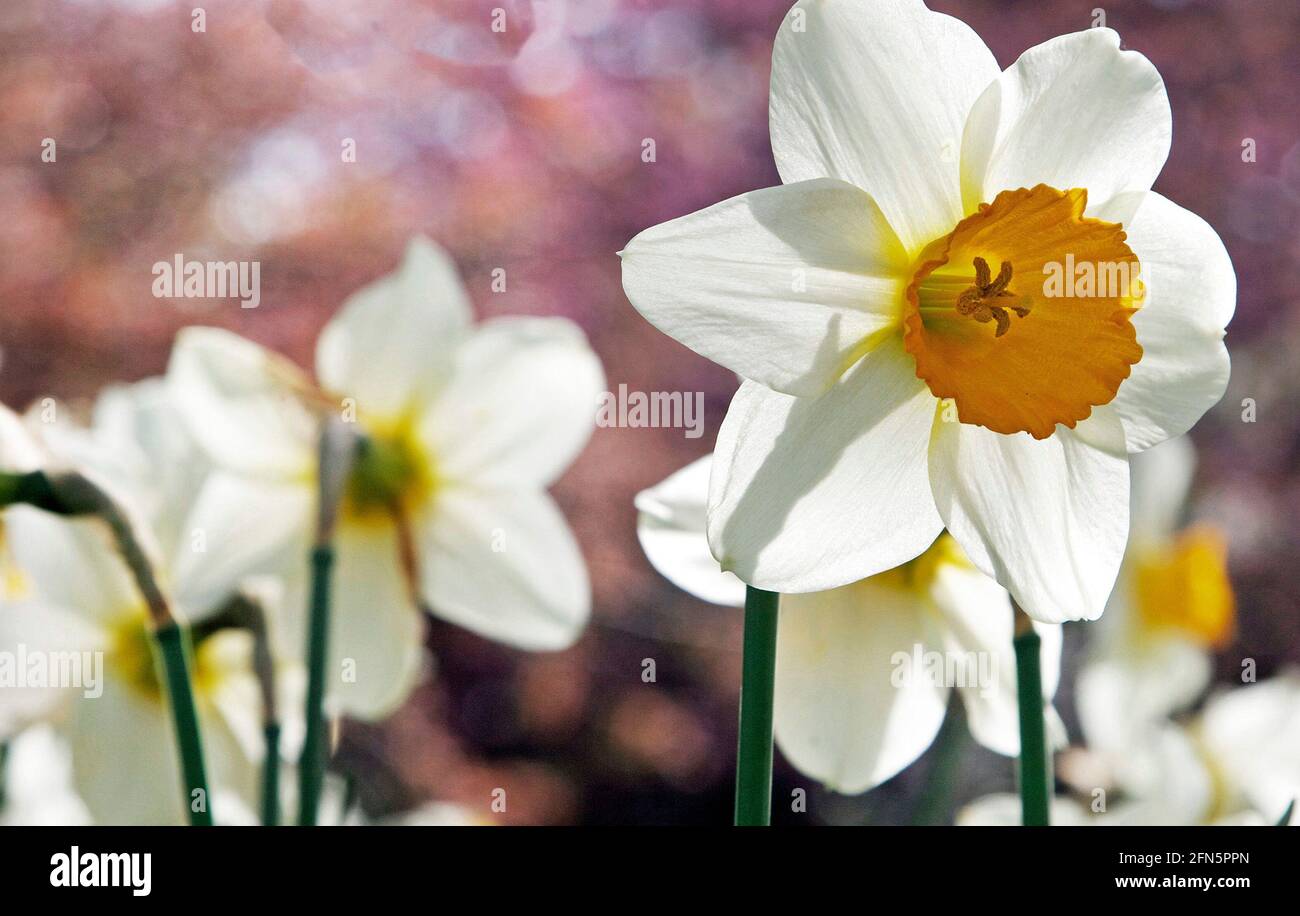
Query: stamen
974	301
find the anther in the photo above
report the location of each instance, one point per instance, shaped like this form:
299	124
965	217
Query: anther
980	301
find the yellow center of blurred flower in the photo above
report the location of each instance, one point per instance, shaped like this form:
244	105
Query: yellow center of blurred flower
1046	338
1220	802
14	585
1183	586
392	471
133	658
918	575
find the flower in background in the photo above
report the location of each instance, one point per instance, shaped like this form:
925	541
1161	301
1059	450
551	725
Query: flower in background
446	507
1172	606
86	606
908	368
1236	762
859	694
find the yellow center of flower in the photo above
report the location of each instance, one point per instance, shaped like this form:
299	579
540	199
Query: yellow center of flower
392	471
1183	586
132	657
917	575
1046	338
14	585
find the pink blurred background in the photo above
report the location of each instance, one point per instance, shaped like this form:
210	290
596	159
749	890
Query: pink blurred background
522	150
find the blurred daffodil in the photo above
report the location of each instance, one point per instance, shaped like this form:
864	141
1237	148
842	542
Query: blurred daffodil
463	427
87	619
912	360
1172	606
864	671
1236	762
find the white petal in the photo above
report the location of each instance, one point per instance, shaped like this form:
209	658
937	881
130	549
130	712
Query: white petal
1164	776
391	343
786	286
1073	112
124	757
241	403
977	633
520	405
138	443
810	494
671	527
850	707
877	94
505	565
72	563
30	635
1048	518
376	631
1003	810
1123	695
236	694
38	782
1253	735
1191	295
219	546
1160	480
18	451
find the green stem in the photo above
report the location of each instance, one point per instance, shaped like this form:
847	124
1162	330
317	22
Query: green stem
758	675
172	646
311	769
1035	762
947	751
351	794
4	771
271	776
31	488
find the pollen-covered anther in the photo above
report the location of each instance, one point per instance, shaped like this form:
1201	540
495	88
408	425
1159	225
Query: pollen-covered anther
989	299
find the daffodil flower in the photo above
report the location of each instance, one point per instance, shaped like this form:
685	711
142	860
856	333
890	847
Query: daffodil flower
1237	762
1173	605
86	617
916	355
446	507
864	671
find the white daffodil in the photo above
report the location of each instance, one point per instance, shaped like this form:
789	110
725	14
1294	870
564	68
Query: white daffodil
913	313
1250	738
864	671
1236	762
87	620
1172	605
465	426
